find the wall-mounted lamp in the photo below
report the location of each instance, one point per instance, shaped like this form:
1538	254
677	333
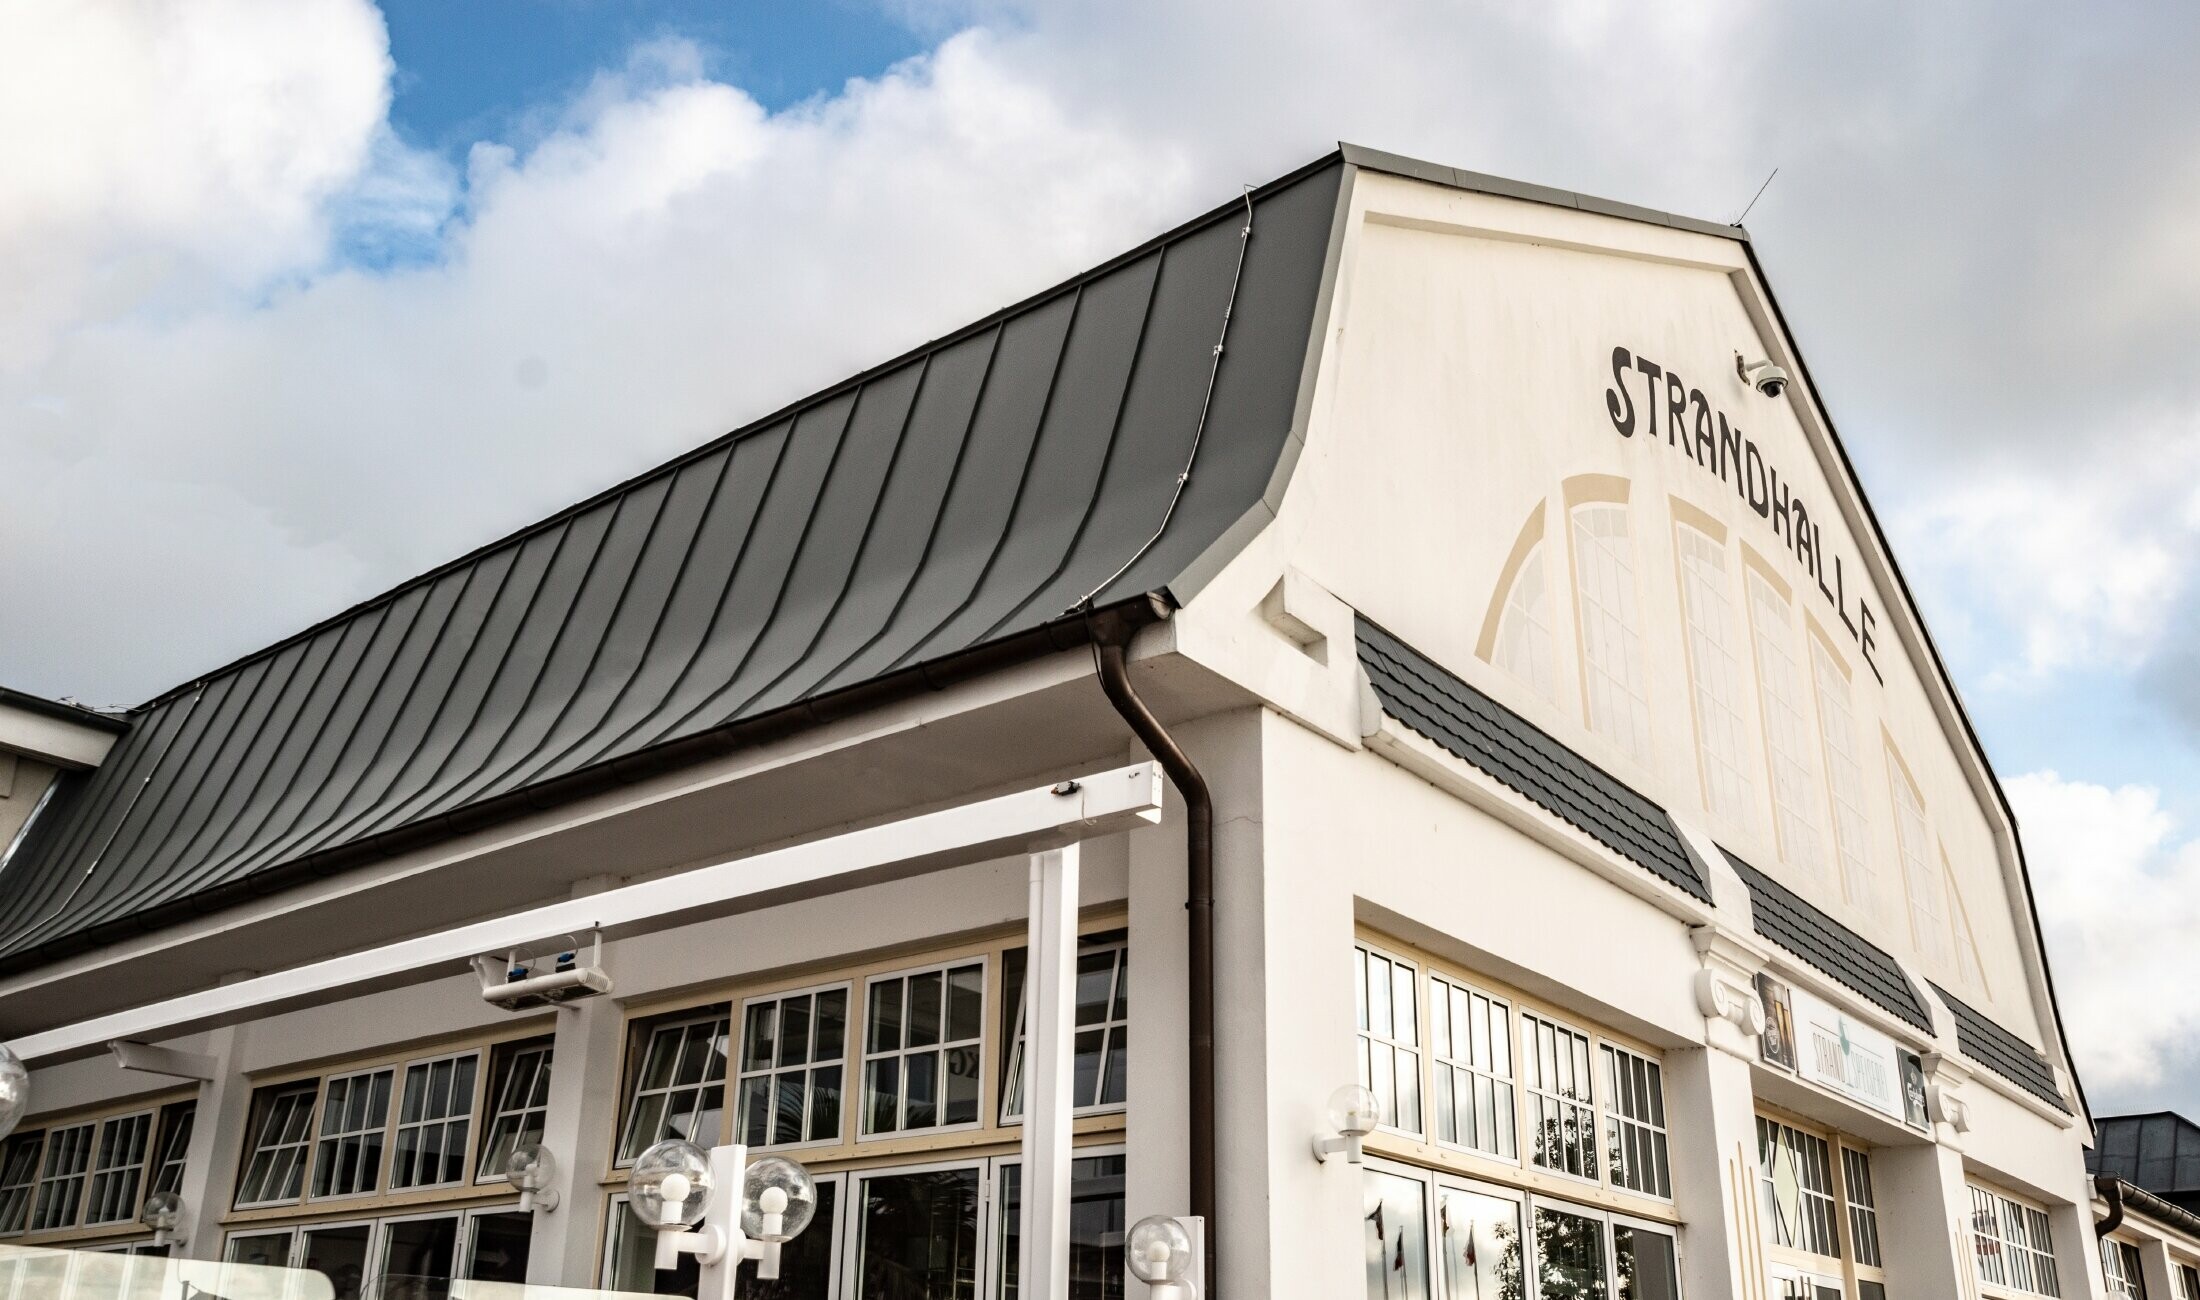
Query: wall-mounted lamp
162	1212
15	1089
673	1189
1165	1254
530	1167
1354	1112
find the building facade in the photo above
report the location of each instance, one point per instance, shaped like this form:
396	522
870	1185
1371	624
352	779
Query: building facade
1553	749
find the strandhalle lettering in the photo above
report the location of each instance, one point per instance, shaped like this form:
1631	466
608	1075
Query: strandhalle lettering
1723	450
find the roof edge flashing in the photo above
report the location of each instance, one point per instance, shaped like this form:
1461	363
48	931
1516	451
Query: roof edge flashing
1500	187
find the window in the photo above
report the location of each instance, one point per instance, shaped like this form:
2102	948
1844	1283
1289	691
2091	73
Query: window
1394	1210
1634	1126
794	1048
1562	1124
2120	1268
680	1088
922	1054
1797	1176
18	1175
1479	1243
348	1159
274	1170
1928	906
1797	795
1101	1044
2013	1244
61	1178
1470	1039
175	1145
1856	1178
1715	676
1525	647
1096	1228
1389	1021
434	1122
1616	682
118	1168
1845	778
519	1099
2188	1282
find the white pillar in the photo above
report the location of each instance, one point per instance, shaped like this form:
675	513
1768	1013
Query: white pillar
217	1144
1049	990
1710	1098
584	1104
2160	1272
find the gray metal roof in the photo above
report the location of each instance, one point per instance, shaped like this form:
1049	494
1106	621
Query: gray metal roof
2159	1152
1779	915
2001	1051
1434	702
961	497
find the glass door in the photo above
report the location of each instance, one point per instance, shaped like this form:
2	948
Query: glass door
916	1233
415	1258
339	1252
1095	1225
1480	1248
496	1245
809	1266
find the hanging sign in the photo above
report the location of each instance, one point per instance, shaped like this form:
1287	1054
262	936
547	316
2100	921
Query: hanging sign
1846	1057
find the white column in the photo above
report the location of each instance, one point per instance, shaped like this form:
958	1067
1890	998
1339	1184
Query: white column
1049	990
217	1145
583	1109
1710	1099
2161	1273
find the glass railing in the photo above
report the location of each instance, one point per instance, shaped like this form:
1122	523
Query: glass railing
39	1273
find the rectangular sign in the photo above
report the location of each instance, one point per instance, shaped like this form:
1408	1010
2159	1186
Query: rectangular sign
1844	1056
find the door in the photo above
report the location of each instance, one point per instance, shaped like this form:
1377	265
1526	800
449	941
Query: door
414	1261
496	1245
1480	1248
915	1234
338	1252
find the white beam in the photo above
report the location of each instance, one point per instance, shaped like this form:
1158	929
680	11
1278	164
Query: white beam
1026	822
1050	982
163	1060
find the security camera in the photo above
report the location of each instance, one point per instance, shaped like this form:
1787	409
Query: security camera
1763	376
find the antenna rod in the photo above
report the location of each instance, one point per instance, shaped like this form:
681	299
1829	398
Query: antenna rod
1758	195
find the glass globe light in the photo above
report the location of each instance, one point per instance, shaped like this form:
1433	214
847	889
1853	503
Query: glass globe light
15	1089
530	1167
670	1185
162	1211
1158	1250
1354	1110
776	1186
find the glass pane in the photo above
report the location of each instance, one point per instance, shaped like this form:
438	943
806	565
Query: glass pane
1645	1265
1095	1229
1395	1227
832	1025
790	1099
1569	1252
417	1255
882	1095
1112	1086
806	1263
919	1237
340	1254
794	1032
824	1103
754	1109
926	1002
498	1252
965	1003
1095	977
885	1028
961	1100
1478	1240
757	1037
920	1084
263	1249
1085	1066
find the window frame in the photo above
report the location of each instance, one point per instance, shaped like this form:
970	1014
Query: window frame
463	1119
988	975
2127	1279
1729	794
322	1137
79	1178
256	1123
28	1188
1992	1205
492	1108
1794	764
1457	1067
1113	1030
172	1145
1366	1041
135	1170
851	1025
641	1036
1639	743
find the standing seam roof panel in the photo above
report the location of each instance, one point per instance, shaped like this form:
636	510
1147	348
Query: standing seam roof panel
967	492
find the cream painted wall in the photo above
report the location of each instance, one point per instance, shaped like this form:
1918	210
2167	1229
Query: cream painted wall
1464	381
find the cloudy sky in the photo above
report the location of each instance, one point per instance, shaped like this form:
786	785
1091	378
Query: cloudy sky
299	297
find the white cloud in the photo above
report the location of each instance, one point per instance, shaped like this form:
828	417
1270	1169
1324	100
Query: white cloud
2118	890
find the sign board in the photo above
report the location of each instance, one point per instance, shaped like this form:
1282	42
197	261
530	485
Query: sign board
1844	1056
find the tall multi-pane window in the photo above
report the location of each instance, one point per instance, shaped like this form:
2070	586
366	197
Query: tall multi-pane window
1526	647
176	1122
1845	780
1797	794
2121	1269
18	1175
2013	1245
348	1159
679	1091
61	1178
1100	1011
1796	1172
1617	678
282	1128
434	1122
1390	1036
1470	1045
1920	873
118	1167
519	1102
1634	1122
921	1048
1561	1094
1715	677
794	1048
2188	1282
1856	1178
